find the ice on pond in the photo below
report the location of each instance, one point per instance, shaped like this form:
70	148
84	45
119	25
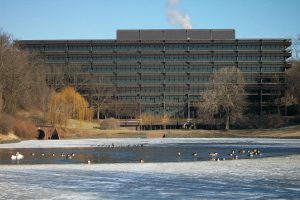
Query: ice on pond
277	177
264	178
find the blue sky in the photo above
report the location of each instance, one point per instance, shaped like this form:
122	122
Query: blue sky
99	19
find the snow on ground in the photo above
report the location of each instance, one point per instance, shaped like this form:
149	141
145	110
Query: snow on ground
267	178
133	141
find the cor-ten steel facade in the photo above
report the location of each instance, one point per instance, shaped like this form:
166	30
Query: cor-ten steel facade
165	71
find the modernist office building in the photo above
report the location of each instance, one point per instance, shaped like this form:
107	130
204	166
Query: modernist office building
166	70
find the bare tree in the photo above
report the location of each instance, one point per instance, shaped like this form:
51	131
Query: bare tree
1	101
296	48
21	76
101	92
225	98
293	75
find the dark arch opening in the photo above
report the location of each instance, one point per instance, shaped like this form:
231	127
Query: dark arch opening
54	135
41	134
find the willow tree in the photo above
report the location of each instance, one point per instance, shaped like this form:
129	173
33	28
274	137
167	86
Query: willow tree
225	97
68	104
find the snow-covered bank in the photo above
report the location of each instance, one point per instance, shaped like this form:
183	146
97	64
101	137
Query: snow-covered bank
133	141
266	178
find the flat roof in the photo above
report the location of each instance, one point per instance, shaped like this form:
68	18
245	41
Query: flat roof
176	34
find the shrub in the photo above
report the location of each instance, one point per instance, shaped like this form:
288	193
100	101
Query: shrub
24	128
274	121
21	127
110	124
293	110
6	123
260	121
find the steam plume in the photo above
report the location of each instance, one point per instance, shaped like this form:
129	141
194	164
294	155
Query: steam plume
175	17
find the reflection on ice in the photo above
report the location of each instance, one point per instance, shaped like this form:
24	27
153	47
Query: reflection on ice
266	178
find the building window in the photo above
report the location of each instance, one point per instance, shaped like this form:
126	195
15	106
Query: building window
175	68
103	47
35	48
224	47
251	79
249	68
272	58
200	57
55	48
127	47
224	58
201	69
56	58
248	58
79	48
176	47
272	68
248	47
272	47
152	58
200	46
175	58
78	58
152	47
100	58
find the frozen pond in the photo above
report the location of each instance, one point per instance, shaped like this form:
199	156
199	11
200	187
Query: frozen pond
134	150
273	175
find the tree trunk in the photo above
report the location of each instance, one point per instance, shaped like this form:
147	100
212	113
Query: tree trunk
227	123
285	113
98	113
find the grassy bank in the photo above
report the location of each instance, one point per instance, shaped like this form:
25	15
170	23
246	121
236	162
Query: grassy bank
9	138
77	130
290	132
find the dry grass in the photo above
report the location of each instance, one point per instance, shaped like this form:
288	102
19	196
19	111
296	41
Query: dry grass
83	129
66	133
110	124
291	132
87	129
79	124
7	138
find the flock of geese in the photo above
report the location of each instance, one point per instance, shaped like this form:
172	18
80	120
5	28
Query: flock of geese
213	156
233	155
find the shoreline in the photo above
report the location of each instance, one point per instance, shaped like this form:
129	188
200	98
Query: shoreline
124	142
92	133
292	132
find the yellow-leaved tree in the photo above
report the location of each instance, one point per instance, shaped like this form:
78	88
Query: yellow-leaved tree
68	104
